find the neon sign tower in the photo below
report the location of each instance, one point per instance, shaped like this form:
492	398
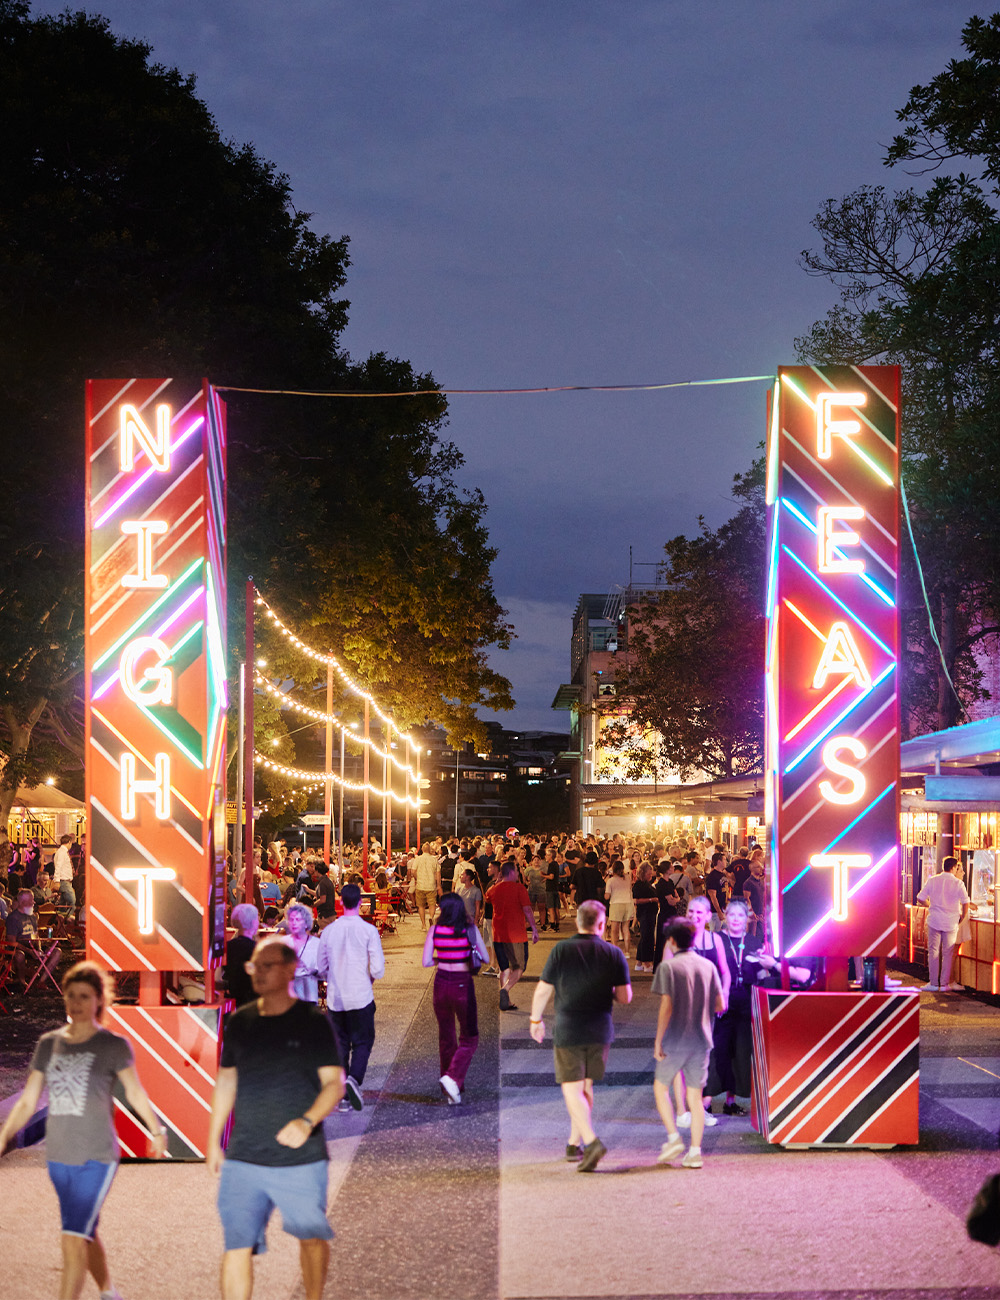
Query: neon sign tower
835	1067
832	660
156	720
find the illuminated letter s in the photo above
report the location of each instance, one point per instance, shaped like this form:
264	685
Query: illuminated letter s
838	768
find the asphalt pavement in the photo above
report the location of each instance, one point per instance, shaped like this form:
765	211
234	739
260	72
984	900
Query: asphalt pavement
476	1202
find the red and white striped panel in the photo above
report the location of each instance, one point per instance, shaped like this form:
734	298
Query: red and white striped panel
836	1069
176	1058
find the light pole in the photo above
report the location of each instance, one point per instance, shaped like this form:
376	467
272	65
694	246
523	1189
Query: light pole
328	783
457	756
419	803
354	727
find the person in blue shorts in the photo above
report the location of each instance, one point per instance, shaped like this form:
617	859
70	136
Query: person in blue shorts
80	1064
280	1076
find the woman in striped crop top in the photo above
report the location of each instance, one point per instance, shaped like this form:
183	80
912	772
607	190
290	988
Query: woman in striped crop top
449	946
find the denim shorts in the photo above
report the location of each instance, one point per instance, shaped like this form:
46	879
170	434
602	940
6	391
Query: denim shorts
81	1190
248	1193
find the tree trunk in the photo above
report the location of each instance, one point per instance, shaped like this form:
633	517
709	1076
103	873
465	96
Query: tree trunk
947	704
20	739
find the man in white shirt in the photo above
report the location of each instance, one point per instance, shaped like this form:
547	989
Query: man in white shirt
427	871
350	959
62	874
948	907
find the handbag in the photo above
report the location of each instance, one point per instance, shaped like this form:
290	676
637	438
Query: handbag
964	931
983	1223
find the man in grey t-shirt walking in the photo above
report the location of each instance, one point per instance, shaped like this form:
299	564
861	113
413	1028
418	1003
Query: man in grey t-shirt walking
690	995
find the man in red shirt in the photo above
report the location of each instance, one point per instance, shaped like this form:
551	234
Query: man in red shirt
512	915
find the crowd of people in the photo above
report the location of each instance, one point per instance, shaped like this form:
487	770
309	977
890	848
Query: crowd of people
301	969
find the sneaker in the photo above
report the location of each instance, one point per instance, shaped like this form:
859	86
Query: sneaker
692	1160
929	988
733	1108
684	1121
574	1153
670	1150
955	988
892	984
452	1089
592	1152
344	1106
710	1120
353	1092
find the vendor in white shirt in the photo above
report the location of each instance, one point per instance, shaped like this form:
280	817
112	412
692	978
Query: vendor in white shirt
948	903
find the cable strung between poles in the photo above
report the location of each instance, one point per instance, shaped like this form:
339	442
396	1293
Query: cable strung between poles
499	392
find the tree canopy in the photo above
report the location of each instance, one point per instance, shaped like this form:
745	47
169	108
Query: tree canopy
136	240
917	274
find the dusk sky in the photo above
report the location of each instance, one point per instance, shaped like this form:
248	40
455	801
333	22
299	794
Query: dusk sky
548	192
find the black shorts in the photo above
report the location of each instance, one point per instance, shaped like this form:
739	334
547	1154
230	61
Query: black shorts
509	955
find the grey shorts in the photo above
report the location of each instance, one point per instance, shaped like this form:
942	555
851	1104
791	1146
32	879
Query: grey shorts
581	1061
693	1063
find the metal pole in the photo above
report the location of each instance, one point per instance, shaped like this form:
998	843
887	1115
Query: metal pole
408	796
385	784
328	784
341	823
419	797
388	813
248	747
364	817
457	752
238	828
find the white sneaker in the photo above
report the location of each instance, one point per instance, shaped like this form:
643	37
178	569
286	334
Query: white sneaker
692	1160
930	988
710	1120
684	1121
955	988
670	1150
452	1089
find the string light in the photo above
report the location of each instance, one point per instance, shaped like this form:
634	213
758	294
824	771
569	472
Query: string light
297	773
355	739
333	662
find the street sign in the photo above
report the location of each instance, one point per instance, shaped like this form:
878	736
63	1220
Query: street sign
314	819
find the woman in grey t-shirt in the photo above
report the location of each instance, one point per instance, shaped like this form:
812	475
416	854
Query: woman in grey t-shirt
79	1064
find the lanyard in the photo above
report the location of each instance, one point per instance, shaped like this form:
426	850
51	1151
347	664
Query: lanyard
739	959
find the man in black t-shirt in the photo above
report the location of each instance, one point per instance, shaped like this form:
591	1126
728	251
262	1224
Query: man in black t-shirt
717	887
325	892
588	882
280	1076
587	977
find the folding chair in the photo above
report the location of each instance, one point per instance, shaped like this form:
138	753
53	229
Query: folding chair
385	919
6	971
43	956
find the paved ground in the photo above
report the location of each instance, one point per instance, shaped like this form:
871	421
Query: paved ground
476	1202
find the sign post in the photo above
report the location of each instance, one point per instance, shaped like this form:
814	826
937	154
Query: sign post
832	778
156	698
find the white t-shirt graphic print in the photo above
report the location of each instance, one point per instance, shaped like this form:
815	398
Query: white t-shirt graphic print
80	1078
67	1077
